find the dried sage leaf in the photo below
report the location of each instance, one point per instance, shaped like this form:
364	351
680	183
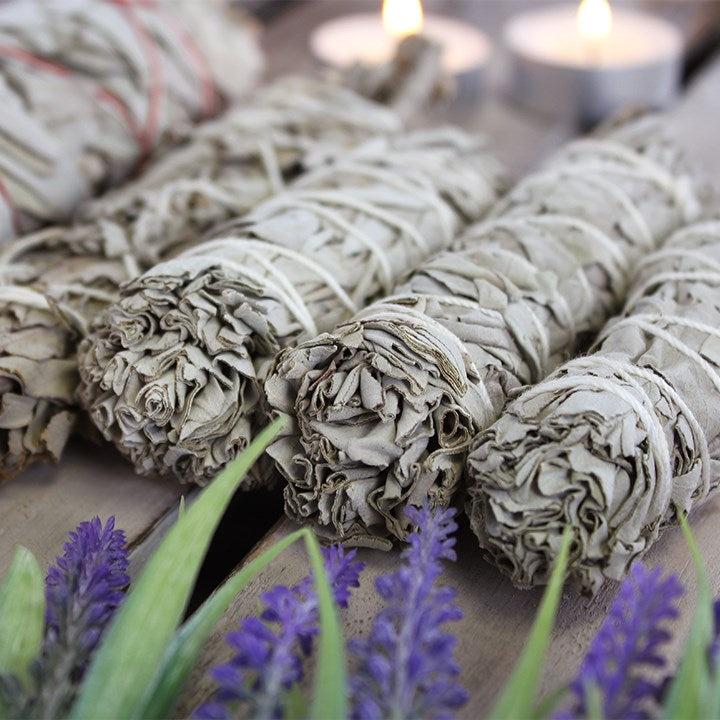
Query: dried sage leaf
291	125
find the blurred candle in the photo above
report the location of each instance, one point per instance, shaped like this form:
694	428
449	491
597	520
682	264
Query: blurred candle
371	38
589	61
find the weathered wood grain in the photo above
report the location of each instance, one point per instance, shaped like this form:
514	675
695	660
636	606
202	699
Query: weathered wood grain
38	508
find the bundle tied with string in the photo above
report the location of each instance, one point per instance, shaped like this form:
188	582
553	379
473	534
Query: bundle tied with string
89	88
230	165
71	273
611	442
172	372
384	407
39	332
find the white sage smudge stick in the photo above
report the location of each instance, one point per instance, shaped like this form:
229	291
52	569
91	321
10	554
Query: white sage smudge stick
89	88
232	164
172	372
384	407
59	285
225	169
609	443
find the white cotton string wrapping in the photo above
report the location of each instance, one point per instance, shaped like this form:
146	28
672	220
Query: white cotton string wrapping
383	408
610	443
172	373
233	163
90	87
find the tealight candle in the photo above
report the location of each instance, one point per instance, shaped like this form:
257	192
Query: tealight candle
588	62
371	38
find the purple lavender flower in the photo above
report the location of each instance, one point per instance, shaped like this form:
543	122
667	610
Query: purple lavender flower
269	649
83	590
629	644
406	667
715	644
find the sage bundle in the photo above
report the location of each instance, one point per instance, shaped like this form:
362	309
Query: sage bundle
90	88
172	372
384	407
612	442
231	164
51	287
68	274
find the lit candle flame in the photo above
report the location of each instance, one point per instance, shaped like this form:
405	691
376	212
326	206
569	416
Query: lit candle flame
402	17
594	19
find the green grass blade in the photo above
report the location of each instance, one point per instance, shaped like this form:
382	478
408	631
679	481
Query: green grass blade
689	694
22	614
517	699
594	701
295	706
127	660
545	707
330	687
183	651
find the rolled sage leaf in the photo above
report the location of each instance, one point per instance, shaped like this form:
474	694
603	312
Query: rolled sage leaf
611	443
172	372
233	163
384	407
88	89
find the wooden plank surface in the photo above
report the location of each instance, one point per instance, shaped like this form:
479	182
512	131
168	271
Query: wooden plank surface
38	508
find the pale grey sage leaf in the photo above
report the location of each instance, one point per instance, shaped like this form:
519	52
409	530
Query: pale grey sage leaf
89	88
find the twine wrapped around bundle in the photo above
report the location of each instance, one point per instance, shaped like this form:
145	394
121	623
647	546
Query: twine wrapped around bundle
172	372
384	407
232	164
88	88
609	443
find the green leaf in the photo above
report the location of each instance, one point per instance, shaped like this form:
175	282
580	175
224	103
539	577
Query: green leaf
594	701
517	699
545	707
183	651
295	706
330	688
126	662
181	507
22	614
689	693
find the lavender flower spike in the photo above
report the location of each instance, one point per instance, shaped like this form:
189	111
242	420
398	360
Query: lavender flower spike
270	648
628	644
83	590
406	667
714	649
